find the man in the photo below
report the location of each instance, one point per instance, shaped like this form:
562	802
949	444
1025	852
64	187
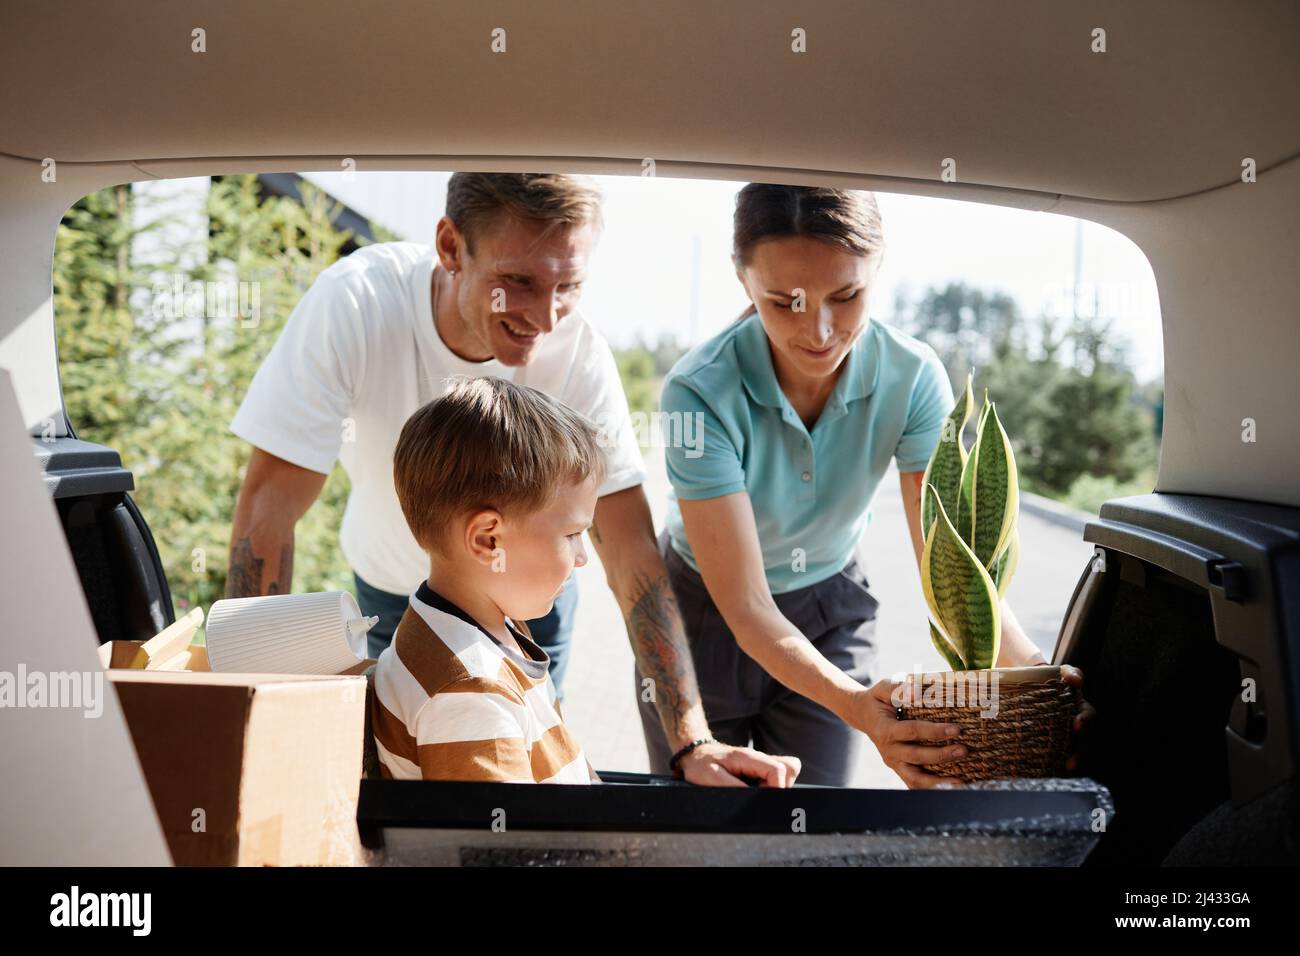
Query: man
376	337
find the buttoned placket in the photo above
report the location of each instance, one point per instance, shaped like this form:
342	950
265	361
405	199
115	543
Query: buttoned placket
765	390
806	460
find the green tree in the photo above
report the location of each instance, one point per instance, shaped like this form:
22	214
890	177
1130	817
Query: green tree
636	369
161	384
966	326
1070	403
1094	426
642	368
107	381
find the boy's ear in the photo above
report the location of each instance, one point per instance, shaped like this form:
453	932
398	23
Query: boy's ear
482	532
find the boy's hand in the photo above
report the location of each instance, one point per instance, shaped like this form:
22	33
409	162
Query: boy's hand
721	765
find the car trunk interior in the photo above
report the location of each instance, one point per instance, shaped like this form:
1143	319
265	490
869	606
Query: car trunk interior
1186	622
1183	622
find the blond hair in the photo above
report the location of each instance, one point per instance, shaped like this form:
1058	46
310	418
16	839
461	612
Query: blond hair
477	201
488	443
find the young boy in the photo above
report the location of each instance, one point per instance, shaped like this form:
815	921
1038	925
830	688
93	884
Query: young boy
497	482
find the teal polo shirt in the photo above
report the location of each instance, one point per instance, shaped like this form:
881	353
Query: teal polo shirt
811	491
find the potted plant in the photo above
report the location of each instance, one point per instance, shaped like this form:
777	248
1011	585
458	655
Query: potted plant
1015	721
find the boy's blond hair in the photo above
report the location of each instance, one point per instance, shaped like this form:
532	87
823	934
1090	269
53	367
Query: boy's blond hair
488	443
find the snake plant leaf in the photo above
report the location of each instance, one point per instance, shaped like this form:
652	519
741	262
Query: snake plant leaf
1004	565
940	640
984	410
929	497
949	458
964	515
945	649
995	492
961	596
965	511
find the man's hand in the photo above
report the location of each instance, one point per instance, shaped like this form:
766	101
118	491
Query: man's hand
721	765
897	740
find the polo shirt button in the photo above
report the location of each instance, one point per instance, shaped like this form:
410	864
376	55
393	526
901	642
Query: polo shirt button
807	476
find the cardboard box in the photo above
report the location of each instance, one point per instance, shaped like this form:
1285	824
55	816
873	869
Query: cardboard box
123	653
250	769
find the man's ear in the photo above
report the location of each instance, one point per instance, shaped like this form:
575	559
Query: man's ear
448	242
482	536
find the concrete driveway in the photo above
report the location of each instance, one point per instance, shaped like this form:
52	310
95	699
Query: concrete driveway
599	700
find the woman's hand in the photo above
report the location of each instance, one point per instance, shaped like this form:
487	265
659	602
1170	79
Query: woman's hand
897	740
1074	677
721	765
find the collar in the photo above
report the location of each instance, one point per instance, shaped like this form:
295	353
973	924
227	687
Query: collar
857	381
435	600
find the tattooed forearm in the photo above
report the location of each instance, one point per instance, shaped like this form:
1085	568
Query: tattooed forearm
244	579
283	582
654	626
623	532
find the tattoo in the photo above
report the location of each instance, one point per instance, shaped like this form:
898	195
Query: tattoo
654	625
283	583
244	578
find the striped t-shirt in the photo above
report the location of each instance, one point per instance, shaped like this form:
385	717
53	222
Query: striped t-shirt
452	703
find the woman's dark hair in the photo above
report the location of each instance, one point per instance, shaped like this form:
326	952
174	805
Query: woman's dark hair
848	218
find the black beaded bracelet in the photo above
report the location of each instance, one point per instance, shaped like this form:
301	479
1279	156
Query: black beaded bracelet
677	757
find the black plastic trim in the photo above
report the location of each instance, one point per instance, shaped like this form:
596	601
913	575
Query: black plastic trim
1246	555
688	809
73	468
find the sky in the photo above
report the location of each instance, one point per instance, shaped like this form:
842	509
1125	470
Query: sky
663	264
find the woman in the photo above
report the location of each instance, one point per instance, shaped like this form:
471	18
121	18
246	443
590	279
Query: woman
803	401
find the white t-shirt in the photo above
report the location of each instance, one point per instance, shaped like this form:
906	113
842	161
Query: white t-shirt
360	353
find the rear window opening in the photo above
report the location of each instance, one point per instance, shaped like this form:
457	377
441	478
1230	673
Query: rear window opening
169	294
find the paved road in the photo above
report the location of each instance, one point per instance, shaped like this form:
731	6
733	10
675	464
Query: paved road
599	700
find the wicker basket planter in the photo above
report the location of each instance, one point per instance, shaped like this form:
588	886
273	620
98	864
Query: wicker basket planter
1015	721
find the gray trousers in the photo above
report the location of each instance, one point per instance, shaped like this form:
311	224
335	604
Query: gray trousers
745	706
